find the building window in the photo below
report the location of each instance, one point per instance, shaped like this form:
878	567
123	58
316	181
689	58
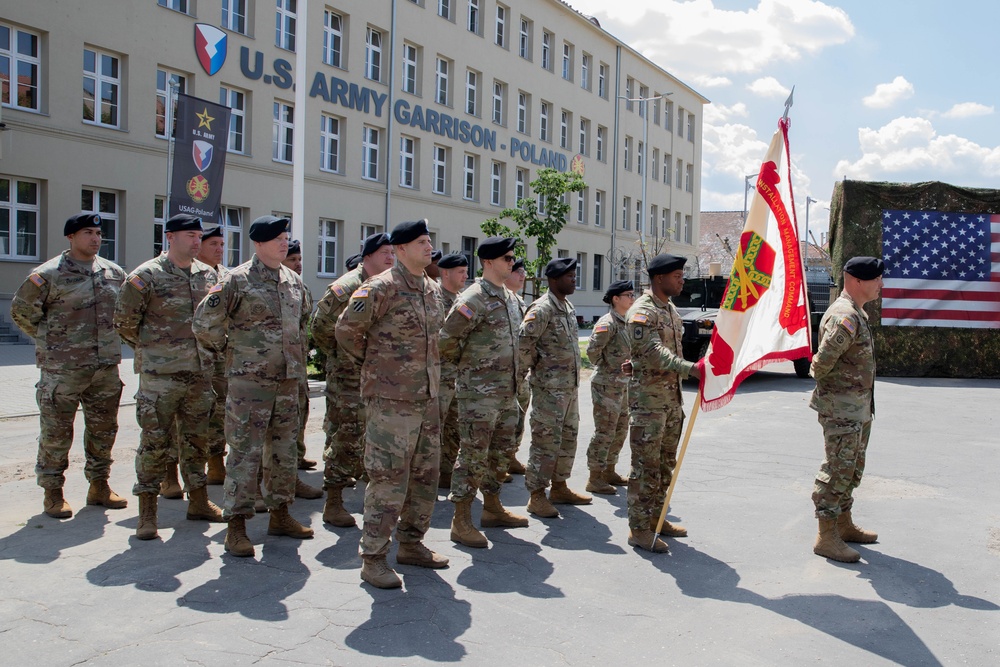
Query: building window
567	61
20	64
656	108
668	115
581	207
368	230
101	88
654	161
234	15
522	112
678	176
471	93
564	123
329	150
581	263
499	101
500	38
474	19
469	249
666	168
163	80
159	223
237	103
444	9
410	69
469	178
440	170
19	210
638	215
520	186
547	50
524	39
599	208
585	71
326	252
629	87
105	204
369	153
652	219
441	82
373	55
677	226
687	229
333	38
232	232
628	152
542	199
680	123
176	5
690	127
689	178
665	223
284	24
407	158
584	136
626	206
601	130
496	184
602	81
284	122
543	122
643	95
598	269
640	162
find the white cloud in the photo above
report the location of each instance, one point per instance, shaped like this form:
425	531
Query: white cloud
887	94
968	110
768	87
708	81
716	114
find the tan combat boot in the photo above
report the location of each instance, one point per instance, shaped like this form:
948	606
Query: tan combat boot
515	467
101	494
669	529
170	487
282	523
55	505
216	470
200	508
462	530
146	530
563	495
495	515
415	553
830	545
597	484
612	477
303	490
334	512
376	571
237	542
647	539
540	506
849	532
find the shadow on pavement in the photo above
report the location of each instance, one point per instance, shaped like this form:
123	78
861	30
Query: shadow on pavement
510	565
578	530
42	539
155	565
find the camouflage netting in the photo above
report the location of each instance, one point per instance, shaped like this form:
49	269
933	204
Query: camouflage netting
856	229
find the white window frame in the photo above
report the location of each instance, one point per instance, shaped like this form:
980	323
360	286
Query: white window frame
441	81
689	178
564	121
474	24
333	39
496	183
600	143
602	81
285	18
329	150
627	152
626	212
469	184
109	219
639	161
101	80
327	241
547	50
543	122
411	59
638	216
370	167
688	229
283	117
585	71
15	209
440	170
162	95
524	39
665	223
499	101
668	160
234	16
236	100
176	5
407	162
567	61
599	208
520	185
472	92
522	112
690	127
17	62
444	9
232	232
500	35
373	54
581	265
581	206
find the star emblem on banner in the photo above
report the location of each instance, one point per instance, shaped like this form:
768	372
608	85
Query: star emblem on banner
204	120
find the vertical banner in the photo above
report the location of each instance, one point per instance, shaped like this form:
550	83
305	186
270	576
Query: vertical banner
763	317
201	133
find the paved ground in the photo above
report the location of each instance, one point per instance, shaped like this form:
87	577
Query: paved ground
744	589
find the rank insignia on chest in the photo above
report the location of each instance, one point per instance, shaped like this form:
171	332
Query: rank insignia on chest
848	324
600	328
36	279
137	283
466	312
338	290
638	332
641	318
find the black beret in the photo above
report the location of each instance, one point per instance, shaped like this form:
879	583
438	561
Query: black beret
267	228
353	261
373	243
865	268
559	267
212	230
453	260
518	264
665	263
183	222
81	221
618	287
294	248
495	247
436	256
405	232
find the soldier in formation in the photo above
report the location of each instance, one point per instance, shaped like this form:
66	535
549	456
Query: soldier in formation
453	270
515	283
212	253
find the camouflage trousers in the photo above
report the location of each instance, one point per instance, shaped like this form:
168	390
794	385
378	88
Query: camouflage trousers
842	467
653	439
487	425
173	411
610	424
344	425
59	393
555	422
216	433
402	451
262	422
300	441
451	436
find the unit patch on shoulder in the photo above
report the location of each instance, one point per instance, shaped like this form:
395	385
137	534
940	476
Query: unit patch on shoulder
36	279
600	328
638	332
642	318
137	283
213	300
848	324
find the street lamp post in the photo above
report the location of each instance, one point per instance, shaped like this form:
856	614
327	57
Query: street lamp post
805	237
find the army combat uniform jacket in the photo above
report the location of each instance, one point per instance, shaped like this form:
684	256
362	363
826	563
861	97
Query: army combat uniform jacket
655	331
844	364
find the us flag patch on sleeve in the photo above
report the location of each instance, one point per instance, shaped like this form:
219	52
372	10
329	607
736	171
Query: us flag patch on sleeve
137	283
466	311
36	279
530	316
360	293
641	318
338	290
848	324
600	328
215	288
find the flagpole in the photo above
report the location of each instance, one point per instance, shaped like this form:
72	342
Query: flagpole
677	469
171	120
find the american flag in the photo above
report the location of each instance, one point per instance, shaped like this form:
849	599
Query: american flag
942	269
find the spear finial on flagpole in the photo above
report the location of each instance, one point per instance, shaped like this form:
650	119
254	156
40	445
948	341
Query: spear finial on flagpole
788	103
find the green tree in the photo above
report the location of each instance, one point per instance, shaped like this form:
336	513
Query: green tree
551	187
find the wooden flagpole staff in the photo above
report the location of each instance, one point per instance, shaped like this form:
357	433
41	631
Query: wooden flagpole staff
677	469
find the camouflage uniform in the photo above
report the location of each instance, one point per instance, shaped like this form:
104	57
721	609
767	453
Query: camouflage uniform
258	316
549	347
608	349
153	315
450	436
67	308
844	368
217	423
656	416
391	325
300	441
344	423
523	392
479	355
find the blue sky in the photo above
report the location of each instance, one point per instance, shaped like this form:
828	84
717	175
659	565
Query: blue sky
885	90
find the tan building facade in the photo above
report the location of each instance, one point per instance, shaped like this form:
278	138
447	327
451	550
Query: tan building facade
438	109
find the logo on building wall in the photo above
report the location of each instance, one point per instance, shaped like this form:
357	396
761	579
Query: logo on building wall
577	166
210	46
